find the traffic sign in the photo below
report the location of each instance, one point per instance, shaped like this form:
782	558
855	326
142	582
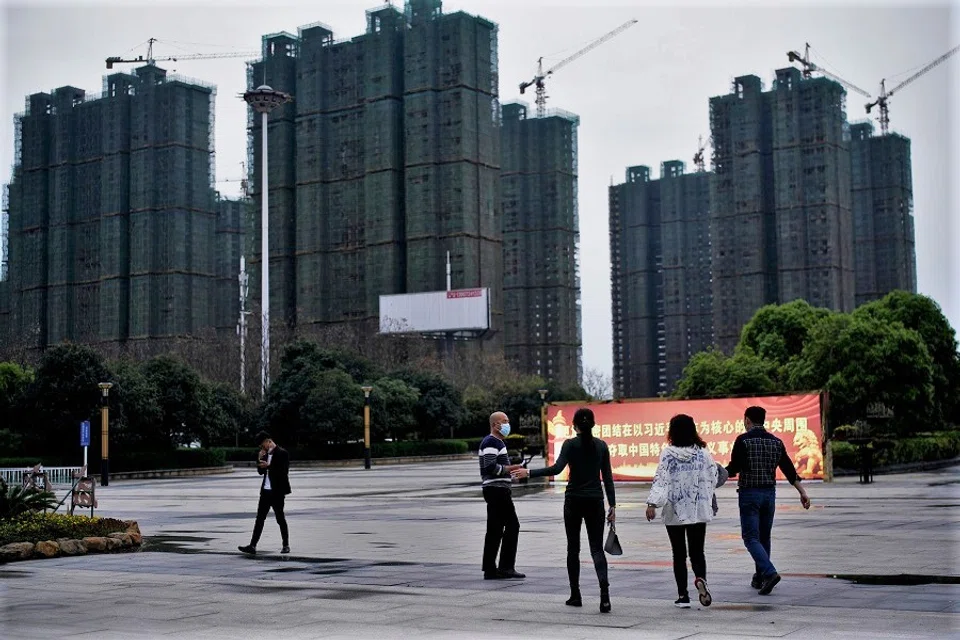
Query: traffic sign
85	433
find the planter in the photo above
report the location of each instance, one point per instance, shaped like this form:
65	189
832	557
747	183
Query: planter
128	540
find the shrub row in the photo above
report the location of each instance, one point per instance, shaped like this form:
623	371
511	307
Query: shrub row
34	527
354	450
938	446
134	461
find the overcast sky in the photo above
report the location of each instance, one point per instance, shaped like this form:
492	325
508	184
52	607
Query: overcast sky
642	97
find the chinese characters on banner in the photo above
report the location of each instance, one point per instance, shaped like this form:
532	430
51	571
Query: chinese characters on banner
637	431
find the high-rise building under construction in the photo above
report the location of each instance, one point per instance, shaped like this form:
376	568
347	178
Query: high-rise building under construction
882	185
112	216
661	289
387	158
781	220
541	285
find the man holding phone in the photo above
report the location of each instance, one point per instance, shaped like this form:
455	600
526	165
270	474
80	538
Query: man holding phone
273	463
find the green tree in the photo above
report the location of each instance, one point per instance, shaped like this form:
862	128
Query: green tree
923	315
711	374
232	416
14	383
137	423
392	406
860	360
332	412
64	393
439	409
180	395
778	333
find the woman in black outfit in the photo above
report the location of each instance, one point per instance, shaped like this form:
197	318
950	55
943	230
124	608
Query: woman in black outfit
588	458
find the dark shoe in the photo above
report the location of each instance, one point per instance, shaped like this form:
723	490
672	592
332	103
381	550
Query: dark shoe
705	598
286	549
683	602
756	582
512	574
252	550
605	602
574	601
494	575
769	584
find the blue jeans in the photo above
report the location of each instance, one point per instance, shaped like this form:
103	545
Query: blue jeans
756	522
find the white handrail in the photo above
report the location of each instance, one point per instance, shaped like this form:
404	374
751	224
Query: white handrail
13	476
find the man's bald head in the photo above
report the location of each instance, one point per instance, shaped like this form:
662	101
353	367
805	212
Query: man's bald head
497	418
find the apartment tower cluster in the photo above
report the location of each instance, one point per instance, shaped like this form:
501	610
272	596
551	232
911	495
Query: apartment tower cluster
799	205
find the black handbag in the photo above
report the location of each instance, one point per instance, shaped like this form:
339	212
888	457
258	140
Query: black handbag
612	545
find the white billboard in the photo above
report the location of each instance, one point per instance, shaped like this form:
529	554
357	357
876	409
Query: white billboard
436	311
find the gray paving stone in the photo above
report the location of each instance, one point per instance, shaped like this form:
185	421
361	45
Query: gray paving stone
395	553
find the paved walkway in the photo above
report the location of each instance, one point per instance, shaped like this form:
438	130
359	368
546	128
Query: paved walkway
394	553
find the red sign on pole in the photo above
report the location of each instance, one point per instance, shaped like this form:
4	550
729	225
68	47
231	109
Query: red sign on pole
636	431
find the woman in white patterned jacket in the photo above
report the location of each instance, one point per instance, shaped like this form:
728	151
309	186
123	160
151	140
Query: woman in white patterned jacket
684	485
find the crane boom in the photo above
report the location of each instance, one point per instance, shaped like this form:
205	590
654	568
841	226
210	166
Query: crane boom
149	59
881	100
924	70
809	67
593	45
542	75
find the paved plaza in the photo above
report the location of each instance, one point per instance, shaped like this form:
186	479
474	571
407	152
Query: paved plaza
394	552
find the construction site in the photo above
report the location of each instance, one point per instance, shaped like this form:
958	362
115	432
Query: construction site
112	216
387	159
882	184
661	292
781	219
541	230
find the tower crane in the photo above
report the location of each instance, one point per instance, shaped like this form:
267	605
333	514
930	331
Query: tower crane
809	67
244	183
881	100
112	60
698	159
538	79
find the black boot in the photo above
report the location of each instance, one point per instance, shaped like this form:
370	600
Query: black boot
605	598
575	599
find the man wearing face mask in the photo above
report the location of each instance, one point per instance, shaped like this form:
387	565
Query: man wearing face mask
502	523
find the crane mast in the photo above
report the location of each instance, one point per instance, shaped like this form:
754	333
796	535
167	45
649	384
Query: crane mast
538	79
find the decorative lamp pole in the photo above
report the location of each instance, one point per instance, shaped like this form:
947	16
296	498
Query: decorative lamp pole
263	100
543	419
366	426
105	433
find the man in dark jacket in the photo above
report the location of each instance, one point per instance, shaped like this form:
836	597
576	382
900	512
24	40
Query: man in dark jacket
273	464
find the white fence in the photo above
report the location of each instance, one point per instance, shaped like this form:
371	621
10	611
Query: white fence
62	476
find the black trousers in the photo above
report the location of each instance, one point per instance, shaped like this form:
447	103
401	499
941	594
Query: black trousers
270	500
589	511
502	526
695	535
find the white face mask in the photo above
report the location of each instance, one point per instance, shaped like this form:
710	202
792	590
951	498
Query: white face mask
505	429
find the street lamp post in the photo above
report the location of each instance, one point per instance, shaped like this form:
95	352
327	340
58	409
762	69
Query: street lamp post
543	419
263	100
105	433
366	426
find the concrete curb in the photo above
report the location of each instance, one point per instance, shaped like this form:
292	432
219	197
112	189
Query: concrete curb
911	467
170	473
311	464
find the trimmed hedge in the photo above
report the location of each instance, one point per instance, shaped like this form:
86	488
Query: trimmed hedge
354	450
134	461
34	527
937	446
175	459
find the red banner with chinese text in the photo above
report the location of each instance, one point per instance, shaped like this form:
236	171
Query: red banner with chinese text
636	431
